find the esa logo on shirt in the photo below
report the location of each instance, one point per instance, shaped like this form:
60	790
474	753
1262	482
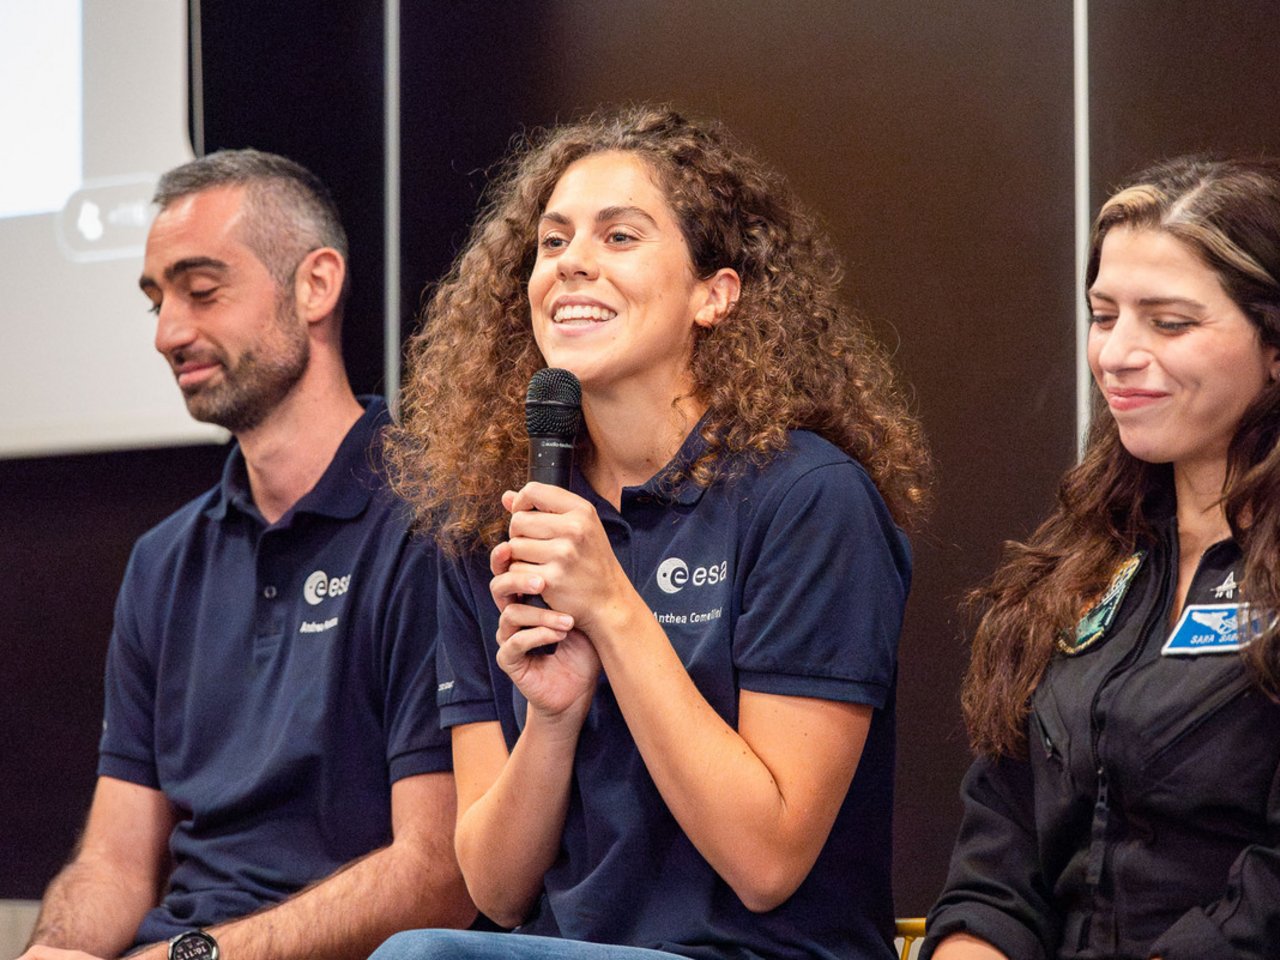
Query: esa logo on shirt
320	585
674	575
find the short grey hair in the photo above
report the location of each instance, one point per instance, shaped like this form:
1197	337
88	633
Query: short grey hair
288	210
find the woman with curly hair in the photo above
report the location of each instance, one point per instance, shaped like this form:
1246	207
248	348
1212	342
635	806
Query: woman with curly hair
1125	802
702	764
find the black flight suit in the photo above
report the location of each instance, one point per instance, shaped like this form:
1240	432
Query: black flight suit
1146	819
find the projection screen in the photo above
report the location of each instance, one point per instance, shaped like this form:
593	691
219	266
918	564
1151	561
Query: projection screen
93	107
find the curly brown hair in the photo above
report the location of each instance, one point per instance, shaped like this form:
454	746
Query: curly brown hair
788	356
1228	213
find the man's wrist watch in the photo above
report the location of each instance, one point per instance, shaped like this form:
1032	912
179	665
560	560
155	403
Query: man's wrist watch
193	945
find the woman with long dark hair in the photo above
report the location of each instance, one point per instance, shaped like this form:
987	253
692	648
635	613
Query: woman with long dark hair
702	765
1125	802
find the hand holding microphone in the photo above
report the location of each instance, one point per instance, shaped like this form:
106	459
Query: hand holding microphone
552	415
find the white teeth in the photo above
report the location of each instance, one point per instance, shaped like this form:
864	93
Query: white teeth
582	311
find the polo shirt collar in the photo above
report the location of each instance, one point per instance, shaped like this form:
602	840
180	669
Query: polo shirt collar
685	491
335	495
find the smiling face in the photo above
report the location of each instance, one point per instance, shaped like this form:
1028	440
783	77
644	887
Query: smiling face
1176	359
229	333
613	296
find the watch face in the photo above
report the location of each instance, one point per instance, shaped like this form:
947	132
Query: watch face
193	945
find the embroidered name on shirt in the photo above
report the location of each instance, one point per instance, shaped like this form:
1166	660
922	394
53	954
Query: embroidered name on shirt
318	626
705	616
1205	628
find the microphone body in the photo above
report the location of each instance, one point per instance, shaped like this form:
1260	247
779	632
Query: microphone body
550	460
552	414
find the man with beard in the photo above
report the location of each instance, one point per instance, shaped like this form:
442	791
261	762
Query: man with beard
273	781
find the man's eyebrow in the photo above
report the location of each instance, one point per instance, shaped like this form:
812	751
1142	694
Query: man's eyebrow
179	267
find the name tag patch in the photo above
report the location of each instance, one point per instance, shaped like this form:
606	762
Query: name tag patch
1206	628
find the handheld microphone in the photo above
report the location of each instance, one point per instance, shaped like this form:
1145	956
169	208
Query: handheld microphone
552	415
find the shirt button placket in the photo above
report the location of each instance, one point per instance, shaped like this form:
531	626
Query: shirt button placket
271	607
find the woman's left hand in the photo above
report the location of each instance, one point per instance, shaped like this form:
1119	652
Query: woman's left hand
557	536
558	681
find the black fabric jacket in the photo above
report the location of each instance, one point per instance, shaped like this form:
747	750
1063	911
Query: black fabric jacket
1146	819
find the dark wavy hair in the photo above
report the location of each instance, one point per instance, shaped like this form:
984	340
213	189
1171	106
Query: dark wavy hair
1228	213
789	355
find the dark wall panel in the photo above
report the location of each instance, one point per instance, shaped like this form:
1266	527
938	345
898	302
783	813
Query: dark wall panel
67	525
468	81
310	87
1169	77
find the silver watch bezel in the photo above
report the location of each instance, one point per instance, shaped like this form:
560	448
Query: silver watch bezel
199	935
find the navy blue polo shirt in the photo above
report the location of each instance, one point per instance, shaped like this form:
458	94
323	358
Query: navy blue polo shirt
789	579
274	681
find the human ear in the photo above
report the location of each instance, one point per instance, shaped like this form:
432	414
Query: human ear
317	284
722	291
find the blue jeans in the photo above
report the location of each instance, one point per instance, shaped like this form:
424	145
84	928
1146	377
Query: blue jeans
479	945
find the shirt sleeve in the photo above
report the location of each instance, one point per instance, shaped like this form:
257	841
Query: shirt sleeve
995	889
126	750
826	582
416	743
1245	923
465	688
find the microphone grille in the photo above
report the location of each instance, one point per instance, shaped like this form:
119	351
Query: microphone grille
553	385
553	404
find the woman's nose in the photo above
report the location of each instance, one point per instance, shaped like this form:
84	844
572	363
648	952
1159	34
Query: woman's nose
1124	345
577	259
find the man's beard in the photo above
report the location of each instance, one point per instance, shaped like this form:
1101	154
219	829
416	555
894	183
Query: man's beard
258	382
